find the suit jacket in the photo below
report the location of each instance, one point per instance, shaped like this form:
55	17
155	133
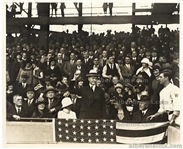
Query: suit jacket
92	103
126	72
57	105
20	90
61	66
12	111
68	68
138	117
76	106
31	108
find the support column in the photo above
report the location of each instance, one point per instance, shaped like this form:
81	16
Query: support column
29	13
44	11
80	26
133	14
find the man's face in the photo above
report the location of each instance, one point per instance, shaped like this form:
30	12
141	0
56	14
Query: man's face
72	56
24	80
143	105
154	54
114	80
18	101
92	80
104	53
111	59
59	56
30	94
10	87
162	79
95	61
50	94
85	55
127	60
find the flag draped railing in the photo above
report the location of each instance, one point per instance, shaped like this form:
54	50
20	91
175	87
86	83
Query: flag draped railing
109	131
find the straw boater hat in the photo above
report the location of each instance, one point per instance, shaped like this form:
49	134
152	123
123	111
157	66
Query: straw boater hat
92	73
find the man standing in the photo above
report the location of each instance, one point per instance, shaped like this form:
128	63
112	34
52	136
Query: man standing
169	98
92	101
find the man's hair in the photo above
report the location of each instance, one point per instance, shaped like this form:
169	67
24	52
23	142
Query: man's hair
16	96
167	74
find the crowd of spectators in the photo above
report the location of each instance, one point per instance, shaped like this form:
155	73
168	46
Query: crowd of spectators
43	82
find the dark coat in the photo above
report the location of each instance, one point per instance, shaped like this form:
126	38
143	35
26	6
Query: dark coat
138	117
57	105
92	103
30	109
12	111
18	89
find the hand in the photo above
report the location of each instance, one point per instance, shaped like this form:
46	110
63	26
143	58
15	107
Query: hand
121	78
150	117
66	94
54	78
16	117
52	110
110	76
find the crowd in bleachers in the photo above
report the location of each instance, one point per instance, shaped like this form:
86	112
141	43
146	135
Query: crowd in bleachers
47	83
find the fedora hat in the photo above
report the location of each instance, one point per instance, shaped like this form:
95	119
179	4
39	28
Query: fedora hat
93	73
51	88
66	102
30	89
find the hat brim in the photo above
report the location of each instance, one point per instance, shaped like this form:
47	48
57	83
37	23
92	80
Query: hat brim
92	75
42	102
67	105
50	90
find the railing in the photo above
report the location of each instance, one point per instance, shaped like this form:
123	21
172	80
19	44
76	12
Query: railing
86	11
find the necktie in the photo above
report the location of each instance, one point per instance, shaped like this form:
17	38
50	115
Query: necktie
92	87
29	102
50	103
18	111
23	85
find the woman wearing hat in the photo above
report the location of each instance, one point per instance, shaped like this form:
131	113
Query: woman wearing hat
145	70
27	69
66	112
41	110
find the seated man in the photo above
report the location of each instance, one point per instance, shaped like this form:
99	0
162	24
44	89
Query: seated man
144	110
17	110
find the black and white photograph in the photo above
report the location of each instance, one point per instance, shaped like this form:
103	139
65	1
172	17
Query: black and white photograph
91	74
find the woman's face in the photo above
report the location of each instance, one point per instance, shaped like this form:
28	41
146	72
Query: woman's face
144	65
119	90
41	106
80	83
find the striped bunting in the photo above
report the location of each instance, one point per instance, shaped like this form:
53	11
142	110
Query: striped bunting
140	133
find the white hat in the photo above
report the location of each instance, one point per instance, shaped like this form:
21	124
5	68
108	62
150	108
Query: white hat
146	60
66	102
93	73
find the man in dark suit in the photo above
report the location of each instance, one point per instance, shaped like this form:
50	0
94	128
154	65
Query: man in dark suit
29	103
21	88
17	110
92	101
127	70
54	104
76	100
144	110
154	56
69	65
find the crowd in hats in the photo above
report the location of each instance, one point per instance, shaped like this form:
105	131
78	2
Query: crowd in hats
124	69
